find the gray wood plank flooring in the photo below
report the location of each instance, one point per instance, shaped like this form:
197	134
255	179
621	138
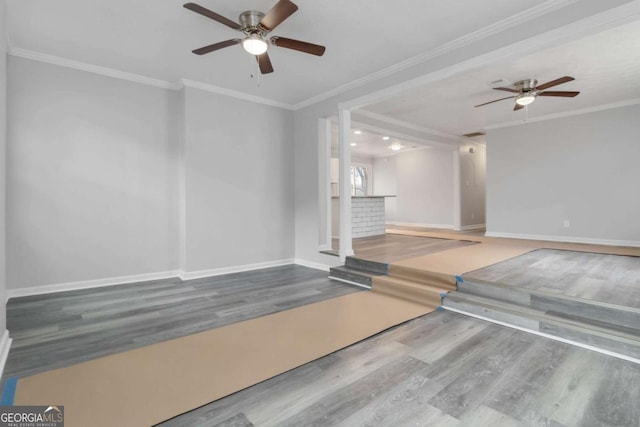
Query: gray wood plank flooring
487	375
442	369
61	329
599	277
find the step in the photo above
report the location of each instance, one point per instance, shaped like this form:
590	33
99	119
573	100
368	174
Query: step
588	311
374	267
409	290
351	275
611	339
442	280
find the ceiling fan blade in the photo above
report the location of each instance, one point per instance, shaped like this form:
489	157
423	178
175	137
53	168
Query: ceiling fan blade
313	49
565	94
496	100
264	63
555	82
518	107
212	15
278	13
216	46
508	89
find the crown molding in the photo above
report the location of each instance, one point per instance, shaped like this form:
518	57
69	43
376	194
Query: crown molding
83	66
235	94
137	78
488	31
578	112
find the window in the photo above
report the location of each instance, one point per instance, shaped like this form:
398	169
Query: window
359	180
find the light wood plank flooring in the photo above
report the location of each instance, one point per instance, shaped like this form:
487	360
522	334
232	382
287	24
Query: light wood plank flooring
394	247
599	277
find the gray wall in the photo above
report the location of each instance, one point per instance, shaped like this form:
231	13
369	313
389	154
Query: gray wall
473	174
581	168
423	182
3	145
108	178
91	186
239	182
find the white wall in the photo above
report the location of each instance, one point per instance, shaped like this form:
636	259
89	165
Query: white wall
385	184
92	182
473	173
239	182
3	145
581	168
423	186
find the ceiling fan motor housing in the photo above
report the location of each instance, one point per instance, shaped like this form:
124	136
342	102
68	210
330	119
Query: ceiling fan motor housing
526	85
250	20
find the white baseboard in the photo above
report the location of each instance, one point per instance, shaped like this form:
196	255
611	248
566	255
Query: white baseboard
420	224
472	227
312	264
234	269
5	346
86	284
567	239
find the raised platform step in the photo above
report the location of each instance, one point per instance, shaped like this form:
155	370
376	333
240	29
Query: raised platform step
613	338
373	267
409	290
595	313
352	275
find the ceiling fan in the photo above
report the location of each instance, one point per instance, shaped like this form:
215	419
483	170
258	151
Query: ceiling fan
255	26
526	91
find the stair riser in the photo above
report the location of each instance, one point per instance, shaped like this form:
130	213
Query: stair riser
586	312
627	349
356	278
511	319
579	335
514	296
366	265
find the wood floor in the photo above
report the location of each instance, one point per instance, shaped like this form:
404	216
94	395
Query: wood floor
394	247
600	277
57	330
443	369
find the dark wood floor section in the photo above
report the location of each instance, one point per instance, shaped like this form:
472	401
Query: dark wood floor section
56	330
613	279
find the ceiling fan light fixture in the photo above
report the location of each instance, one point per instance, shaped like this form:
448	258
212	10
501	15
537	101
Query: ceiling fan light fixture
255	45
525	99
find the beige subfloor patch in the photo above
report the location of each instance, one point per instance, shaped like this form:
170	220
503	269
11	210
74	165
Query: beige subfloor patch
148	385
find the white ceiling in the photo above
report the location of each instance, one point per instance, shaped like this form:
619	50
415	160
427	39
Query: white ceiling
606	67
371	144
154	38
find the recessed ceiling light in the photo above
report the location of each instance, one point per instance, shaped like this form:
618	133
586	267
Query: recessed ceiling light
385	138
353	144
357	132
396	146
